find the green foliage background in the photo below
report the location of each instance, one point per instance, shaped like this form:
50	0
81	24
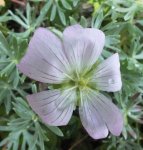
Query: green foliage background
122	22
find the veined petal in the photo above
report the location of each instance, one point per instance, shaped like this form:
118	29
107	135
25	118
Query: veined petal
91	118
49	106
107	76
44	60
82	46
105	115
110	113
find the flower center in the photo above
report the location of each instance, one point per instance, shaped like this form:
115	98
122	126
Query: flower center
81	83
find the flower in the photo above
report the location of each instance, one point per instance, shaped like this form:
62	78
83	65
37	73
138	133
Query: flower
72	64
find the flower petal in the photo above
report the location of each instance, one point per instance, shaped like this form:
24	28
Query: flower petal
44	60
91	119
50	106
82	46
110	113
107	76
104	112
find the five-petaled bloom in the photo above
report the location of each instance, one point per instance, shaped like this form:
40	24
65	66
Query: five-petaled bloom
72	64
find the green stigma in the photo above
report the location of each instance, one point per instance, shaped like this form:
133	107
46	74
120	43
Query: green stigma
82	83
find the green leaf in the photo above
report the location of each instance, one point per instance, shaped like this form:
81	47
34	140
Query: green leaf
28	13
66	4
3	43
75	2
62	16
43	12
83	21
34	88
139	56
53	12
97	19
56	130
72	21
7	103
5	17
8	69
18	19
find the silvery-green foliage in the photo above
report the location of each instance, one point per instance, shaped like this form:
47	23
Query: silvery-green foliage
122	23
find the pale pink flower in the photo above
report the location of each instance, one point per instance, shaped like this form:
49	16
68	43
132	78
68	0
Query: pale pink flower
72	63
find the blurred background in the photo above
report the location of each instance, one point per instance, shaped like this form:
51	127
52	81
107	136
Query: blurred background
122	23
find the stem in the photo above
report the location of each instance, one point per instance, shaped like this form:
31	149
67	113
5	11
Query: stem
78	142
